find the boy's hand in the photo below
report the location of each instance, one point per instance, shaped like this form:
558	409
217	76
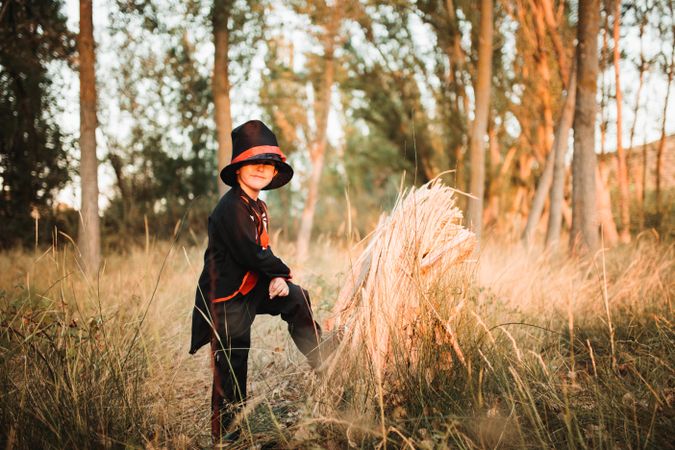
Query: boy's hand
278	286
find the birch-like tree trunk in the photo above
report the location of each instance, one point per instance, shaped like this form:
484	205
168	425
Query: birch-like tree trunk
643	184
555	168
221	86
479	125
456	60
549	142
622	170
317	149
89	232
557	194
634	171
584	223
662	141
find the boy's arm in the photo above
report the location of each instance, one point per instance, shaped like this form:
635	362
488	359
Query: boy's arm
239	235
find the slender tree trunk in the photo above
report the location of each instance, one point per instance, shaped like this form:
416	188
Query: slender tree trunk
221	86
602	197
662	141
317	150
460	183
604	206
479	126
622	170
491	211
558	175
644	183
631	157
456	60
539	199
584	223
89	233
554	164
548	144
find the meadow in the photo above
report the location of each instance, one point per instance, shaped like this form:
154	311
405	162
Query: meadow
555	352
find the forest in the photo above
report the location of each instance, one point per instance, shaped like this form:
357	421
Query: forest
483	199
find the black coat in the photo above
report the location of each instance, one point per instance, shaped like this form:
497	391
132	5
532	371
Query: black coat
234	248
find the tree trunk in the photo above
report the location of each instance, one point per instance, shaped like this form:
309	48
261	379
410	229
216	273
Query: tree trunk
460	182
636	175
643	184
456	60
221	86
558	174
662	141
584	225
549	147
89	232
491	211
622	171
317	150
604	206
479	126
555	165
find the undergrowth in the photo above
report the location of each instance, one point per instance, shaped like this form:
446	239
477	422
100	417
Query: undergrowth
556	353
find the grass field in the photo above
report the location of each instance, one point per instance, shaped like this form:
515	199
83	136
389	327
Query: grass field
557	353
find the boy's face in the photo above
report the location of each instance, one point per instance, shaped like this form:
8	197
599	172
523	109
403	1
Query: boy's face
256	176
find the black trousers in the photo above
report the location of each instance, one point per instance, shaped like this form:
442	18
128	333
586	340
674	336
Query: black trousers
230	346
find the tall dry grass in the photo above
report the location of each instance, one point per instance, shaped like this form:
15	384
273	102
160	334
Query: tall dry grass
557	353
549	352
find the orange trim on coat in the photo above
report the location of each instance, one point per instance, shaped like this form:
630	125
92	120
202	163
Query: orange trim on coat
248	283
251	278
259	150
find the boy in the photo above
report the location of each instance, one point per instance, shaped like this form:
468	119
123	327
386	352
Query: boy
242	277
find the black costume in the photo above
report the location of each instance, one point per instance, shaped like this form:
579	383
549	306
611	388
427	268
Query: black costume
234	287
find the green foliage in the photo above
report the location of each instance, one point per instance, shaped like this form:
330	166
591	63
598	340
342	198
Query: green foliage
245	27
166	165
366	178
167	160
384	92
33	151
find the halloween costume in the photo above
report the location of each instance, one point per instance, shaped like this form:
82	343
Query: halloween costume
234	284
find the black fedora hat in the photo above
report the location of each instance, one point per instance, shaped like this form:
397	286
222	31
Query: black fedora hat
254	143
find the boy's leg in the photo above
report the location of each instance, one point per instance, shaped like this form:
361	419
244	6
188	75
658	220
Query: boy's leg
229	349
296	310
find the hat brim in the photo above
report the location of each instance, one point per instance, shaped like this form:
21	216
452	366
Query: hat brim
283	176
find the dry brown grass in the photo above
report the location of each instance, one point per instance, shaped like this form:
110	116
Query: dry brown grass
540	368
557	352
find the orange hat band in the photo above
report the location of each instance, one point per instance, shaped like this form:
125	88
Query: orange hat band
259	150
